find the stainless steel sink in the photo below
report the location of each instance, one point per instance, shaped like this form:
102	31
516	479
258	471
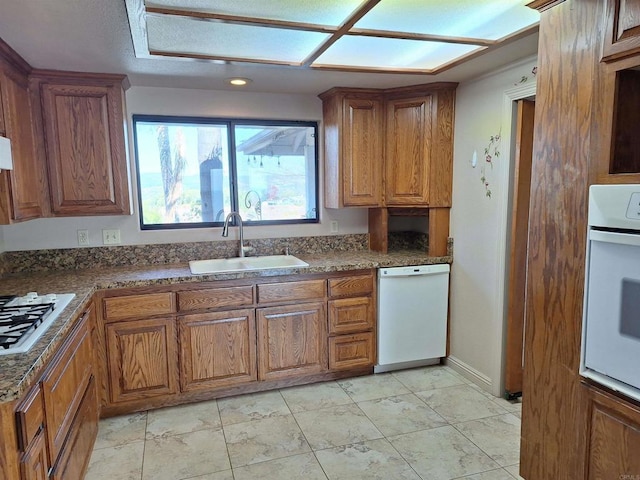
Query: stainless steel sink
244	264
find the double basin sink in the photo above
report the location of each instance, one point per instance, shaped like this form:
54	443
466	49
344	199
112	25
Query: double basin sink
245	264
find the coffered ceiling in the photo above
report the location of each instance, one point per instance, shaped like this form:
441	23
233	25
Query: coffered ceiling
284	46
395	36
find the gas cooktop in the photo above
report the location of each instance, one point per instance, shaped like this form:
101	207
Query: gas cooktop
23	320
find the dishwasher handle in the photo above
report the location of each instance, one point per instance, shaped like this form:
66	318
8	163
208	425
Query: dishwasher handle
413	270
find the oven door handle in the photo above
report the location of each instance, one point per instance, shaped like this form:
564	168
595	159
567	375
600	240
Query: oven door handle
615	237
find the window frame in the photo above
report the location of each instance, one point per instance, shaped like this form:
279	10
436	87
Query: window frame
230	123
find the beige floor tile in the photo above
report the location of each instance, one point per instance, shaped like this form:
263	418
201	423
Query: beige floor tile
123	462
499	474
401	414
185	455
121	430
314	397
460	404
303	467
371	460
442	453
336	426
262	440
225	475
361	389
183	419
255	406
514	471
428	378
498	437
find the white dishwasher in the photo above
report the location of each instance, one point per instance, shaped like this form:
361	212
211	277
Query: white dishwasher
412	316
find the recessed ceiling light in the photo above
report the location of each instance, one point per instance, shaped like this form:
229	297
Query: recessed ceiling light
239	82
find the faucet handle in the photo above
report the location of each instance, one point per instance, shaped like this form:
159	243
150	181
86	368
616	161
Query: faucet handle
286	250
246	249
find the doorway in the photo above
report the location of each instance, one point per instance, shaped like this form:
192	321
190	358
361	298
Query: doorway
517	247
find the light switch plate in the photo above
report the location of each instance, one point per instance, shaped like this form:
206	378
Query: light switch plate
111	236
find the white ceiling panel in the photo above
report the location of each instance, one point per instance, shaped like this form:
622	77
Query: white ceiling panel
181	35
323	12
486	19
392	53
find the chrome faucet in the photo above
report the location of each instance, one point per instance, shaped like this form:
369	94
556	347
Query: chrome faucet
225	230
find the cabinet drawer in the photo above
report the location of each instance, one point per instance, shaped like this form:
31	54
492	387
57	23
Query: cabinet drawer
350	315
215	298
135	306
291	291
76	452
351	351
29	417
351	286
65	384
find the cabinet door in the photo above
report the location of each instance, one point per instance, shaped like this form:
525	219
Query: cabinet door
614	440
622	29
362	153
352	351
351	315
64	386
85	149
217	349
408	151
292	341
34	464
22	190
142	359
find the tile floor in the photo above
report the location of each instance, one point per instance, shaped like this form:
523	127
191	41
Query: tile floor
425	423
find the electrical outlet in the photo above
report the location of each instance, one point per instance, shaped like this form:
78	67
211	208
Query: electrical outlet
83	238
111	236
334	226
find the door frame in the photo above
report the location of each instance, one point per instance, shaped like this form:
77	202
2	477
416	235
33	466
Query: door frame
509	118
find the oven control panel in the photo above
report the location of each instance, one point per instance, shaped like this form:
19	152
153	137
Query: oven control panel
633	210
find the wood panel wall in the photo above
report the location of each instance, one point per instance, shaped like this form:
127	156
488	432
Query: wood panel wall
554	417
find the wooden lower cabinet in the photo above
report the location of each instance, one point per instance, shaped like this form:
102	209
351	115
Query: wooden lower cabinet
142	359
351	351
217	349
34	464
614	439
64	386
190	342
74	457
292	341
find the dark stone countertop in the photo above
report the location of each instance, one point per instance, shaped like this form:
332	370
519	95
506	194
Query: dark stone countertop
17	371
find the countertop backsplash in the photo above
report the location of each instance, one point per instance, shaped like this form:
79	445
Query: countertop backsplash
127	255
26	261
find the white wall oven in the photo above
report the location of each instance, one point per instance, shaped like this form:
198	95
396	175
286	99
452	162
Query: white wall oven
611	321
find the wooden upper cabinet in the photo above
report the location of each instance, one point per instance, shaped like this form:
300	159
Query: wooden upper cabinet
419	146
83	119
353	148
390	147
23	190
622	29
408	149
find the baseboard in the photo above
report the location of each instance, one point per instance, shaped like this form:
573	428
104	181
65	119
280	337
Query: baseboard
470	373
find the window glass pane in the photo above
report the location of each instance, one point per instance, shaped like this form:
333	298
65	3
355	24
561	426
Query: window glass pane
192	171
276	168
183	172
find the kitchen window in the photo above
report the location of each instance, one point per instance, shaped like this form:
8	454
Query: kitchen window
192	171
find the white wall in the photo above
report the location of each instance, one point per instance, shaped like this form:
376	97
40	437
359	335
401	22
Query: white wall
62	232
479	223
